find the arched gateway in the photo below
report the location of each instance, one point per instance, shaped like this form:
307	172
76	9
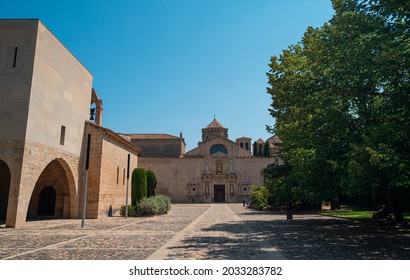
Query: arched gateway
5	176
53	192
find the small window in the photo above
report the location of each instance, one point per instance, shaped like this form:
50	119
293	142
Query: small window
118	174
15	57
247	146
193	189
241	145
62	135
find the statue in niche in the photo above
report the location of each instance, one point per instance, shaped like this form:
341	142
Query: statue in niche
219	167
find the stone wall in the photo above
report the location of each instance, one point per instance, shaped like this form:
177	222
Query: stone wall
108	158
60	95
159	147
113	183
17	48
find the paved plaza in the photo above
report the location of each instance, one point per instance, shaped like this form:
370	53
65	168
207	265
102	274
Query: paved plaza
206	231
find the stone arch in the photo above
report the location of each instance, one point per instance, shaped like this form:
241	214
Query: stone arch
54	193
96	109
5	178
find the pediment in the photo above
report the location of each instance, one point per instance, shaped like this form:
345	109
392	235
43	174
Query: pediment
219	154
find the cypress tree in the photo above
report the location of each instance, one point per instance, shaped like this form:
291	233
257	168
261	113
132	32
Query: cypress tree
260	150
266	149
255	149
138	185
151	183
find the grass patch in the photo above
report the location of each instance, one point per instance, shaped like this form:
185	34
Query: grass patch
354	212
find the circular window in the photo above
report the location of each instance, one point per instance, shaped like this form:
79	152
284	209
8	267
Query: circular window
244	189
193	189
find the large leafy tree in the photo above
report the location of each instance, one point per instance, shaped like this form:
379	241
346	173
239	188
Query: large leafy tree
340	98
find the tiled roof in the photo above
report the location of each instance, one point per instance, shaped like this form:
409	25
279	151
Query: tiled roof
120	139
215	124
260	141
155	136
274	139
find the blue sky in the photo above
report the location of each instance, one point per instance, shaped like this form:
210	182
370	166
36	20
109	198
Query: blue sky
165	66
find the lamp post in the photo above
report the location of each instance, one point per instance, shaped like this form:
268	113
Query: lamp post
126	193
87	161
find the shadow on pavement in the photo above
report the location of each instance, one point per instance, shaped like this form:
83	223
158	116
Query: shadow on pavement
304	239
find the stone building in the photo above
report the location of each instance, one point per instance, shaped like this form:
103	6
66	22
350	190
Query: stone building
274	145
48	111
218	170
159	145
45	100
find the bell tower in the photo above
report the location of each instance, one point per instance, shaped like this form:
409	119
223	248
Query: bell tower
214	130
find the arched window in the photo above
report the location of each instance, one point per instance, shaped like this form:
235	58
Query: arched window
218	148
247	146
241	144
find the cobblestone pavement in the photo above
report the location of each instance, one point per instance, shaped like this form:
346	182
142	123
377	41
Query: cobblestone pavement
206	231
222	234
114	238
305	237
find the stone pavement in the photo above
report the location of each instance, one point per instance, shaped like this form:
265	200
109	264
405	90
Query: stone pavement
206	231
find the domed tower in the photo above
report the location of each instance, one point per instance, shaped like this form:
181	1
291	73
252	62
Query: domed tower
214	130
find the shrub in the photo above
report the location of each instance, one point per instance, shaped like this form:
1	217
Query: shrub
138	185
151	183
131	211
154	205
259	198
165	203
147	207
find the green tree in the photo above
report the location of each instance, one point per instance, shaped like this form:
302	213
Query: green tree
260	150
266	149
255	149
138	185
151	183
340	100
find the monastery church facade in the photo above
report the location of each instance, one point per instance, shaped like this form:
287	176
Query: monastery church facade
218	170
49	110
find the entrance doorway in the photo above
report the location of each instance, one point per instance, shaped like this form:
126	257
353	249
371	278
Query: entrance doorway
219	193
47	202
